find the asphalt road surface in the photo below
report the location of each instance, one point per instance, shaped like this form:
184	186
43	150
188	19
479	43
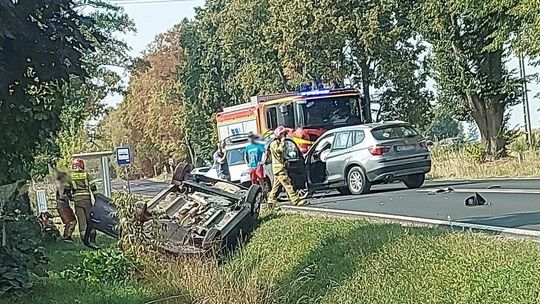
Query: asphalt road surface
513	203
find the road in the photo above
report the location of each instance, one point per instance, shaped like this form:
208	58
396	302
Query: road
513	203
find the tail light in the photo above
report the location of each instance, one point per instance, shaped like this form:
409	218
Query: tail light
423	144
378	150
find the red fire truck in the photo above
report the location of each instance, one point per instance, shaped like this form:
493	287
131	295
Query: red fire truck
308	114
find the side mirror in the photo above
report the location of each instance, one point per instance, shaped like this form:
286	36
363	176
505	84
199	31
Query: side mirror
476	200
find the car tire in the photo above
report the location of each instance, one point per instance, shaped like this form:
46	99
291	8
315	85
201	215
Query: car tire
254	199
180	173
414	181
344	190
357	181
212	240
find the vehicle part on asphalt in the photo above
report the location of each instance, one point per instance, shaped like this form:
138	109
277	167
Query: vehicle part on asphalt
198	214
439	191
476	200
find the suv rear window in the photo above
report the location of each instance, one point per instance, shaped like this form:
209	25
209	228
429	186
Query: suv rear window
394	132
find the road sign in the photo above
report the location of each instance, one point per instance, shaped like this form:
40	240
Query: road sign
42	201
123	156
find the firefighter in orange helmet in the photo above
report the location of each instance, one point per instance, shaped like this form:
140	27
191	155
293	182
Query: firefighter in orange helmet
82	188
281	177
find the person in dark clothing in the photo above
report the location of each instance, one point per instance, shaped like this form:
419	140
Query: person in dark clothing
220	162
62	206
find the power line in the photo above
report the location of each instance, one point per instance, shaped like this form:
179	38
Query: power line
129	2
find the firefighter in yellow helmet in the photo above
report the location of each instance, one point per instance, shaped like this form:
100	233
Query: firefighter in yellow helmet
82	188
281	177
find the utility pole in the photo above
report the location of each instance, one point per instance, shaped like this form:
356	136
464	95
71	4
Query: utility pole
526	108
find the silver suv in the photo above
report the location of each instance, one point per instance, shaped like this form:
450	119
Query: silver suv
352	159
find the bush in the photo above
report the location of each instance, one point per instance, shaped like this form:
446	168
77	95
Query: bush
108	265
137	237
20	251
474	152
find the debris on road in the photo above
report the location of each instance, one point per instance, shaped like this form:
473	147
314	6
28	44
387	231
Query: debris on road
441	191
476	200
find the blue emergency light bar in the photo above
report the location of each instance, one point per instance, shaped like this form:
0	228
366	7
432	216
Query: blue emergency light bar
313	90
315	93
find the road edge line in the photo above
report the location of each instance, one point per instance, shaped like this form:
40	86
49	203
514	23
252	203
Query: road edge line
418	220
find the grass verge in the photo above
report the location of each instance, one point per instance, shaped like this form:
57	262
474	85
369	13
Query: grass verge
303	259
462	164
57	290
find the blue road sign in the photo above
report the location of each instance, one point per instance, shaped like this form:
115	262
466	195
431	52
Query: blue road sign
123	156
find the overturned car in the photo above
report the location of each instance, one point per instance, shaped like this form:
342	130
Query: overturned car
197	213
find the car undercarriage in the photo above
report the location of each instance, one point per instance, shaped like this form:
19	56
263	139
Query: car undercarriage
196	214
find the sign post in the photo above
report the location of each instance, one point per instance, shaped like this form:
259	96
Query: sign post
123	159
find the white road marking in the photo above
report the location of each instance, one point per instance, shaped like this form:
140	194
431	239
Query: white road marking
419	220
483	190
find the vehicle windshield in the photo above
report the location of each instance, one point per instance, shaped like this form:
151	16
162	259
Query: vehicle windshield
331	112
235	156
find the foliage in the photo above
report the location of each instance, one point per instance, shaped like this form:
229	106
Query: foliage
234	49
106	265
20	251
469	66
57	288
444	126
138	236
83	99
146	118
30	78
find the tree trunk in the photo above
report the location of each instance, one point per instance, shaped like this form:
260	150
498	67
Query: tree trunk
191	151
366	82
489	117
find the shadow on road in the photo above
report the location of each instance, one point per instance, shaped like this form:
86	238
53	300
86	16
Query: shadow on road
513	220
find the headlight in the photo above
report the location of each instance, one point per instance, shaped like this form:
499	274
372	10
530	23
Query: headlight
245	173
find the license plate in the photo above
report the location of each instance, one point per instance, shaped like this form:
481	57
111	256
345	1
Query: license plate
404	148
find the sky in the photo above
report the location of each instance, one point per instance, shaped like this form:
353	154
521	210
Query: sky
154	18
150	20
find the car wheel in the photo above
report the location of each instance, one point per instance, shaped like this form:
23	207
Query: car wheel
180	173
254	199
357	181
414	181
344	190
212	240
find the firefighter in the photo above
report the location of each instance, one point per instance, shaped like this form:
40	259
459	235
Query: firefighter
281	177
65	211
82	190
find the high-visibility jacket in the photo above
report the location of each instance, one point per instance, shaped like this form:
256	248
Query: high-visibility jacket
81	186
278	158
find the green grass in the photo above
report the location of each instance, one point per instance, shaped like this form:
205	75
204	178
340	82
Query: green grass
314	260
302	259
54	289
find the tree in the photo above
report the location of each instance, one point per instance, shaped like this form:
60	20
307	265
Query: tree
468	67
84	99
146	120
444	126
42	45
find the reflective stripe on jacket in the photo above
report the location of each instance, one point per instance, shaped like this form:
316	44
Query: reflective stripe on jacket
81	185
